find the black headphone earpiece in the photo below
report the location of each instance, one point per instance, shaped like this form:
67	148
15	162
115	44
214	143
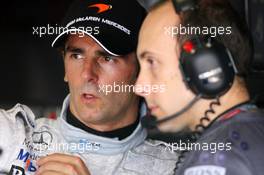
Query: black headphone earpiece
184	5
207	67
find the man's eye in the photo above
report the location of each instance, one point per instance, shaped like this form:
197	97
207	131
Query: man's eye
108	58
76	56
150	61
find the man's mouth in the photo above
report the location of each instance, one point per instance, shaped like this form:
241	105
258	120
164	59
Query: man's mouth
88	98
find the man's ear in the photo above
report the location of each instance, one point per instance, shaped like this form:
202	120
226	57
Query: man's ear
65	78
63	56
65	73
62	52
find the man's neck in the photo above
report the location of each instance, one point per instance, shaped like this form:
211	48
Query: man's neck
120	133
124	118
232	98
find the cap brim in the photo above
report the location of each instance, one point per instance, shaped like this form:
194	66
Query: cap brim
69	31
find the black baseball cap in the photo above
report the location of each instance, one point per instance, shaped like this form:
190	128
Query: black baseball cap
113	24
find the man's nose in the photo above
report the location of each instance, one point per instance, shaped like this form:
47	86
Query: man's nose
89	70
140	84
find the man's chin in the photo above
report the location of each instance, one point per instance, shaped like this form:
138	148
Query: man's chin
158	114
89	118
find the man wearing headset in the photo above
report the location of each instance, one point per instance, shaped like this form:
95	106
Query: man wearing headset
205	91
96	133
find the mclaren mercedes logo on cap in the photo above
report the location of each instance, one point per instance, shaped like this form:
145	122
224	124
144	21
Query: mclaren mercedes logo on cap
101	7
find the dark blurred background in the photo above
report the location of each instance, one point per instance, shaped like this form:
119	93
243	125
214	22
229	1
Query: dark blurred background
31	72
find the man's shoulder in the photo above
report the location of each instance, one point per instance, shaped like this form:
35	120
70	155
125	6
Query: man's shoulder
52	123
155	158
16	124
249	124
243	134
246	125
233	147
156	148
19	113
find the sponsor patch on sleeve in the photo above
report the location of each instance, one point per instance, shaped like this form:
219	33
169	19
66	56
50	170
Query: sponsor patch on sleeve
205	169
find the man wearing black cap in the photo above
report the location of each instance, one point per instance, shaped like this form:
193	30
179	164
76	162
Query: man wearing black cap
97	133
206	94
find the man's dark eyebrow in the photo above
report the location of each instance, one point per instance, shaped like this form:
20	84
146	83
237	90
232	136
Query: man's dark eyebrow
74	49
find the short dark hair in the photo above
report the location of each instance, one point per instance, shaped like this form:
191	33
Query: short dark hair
216	13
